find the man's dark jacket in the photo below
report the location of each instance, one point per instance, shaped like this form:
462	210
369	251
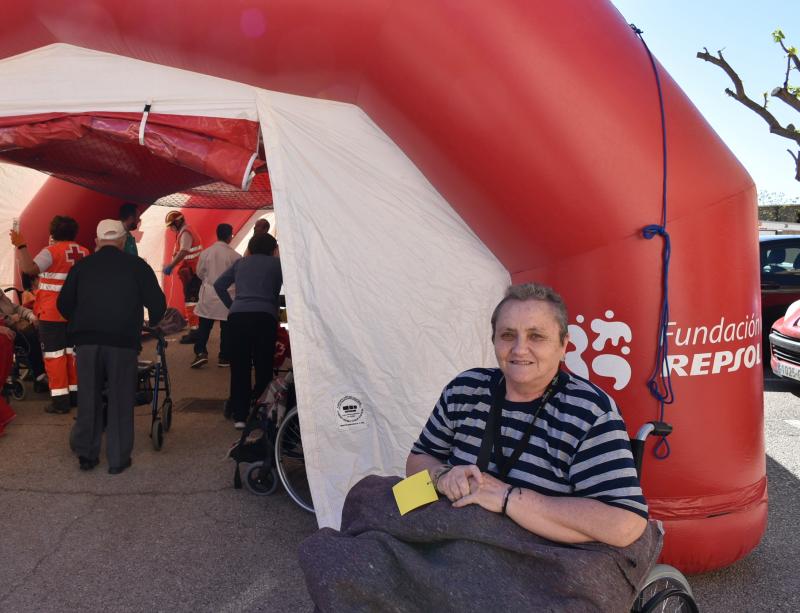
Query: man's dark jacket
103	296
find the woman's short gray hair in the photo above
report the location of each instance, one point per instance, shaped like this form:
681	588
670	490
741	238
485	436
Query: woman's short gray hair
535	291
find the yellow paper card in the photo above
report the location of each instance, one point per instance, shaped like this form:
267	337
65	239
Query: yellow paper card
414	491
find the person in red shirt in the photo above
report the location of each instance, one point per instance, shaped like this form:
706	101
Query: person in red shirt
51	265
7	414
184	257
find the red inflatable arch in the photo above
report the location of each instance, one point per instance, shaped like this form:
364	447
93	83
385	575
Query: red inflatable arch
539	123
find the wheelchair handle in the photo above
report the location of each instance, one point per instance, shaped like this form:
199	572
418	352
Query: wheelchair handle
657	428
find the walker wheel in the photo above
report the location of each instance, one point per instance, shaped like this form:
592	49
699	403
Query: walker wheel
261	486
17	389
166	413
157	434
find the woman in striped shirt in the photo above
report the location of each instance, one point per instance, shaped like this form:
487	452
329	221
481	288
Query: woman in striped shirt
558	459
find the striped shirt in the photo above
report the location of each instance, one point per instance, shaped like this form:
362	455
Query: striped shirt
579	445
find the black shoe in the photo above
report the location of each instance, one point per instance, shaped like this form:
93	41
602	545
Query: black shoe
223	363
200	359
115	470
58	406
87	463
188	339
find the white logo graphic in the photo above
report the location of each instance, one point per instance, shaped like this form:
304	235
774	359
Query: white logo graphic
611	365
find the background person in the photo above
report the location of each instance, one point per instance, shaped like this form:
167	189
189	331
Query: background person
261	226
51	265
7	414
252	321
103	297
184	256
212	263
26	337
129	216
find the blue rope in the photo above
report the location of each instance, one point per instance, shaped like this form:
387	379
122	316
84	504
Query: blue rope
660	382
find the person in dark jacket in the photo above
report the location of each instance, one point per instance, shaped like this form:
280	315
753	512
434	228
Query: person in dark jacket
103	298
252	321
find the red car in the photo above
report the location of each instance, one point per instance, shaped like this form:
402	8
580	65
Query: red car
784	342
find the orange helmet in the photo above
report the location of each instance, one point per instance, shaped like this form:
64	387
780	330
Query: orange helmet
172	217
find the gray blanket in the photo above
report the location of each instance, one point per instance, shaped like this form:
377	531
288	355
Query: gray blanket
438	558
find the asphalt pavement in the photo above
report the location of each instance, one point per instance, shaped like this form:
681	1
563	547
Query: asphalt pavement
168	534
171	533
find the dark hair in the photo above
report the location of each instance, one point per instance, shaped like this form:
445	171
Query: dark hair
263	224
262	243
224	231
534	291
63	228
129	209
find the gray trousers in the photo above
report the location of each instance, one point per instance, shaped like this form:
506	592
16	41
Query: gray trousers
98	365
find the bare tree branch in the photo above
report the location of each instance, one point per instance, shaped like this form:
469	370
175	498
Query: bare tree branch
796	163
783	94
741	96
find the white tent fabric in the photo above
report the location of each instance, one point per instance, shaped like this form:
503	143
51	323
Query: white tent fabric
388	291
61	78
19	185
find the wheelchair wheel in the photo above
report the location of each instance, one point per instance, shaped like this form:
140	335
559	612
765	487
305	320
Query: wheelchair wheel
258	484
17	389
166	413
157	434
291	463
665	590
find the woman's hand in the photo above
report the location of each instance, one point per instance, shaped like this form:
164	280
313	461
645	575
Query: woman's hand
456	483
489	493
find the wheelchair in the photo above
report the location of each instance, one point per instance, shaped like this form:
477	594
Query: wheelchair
665	589
272	447
13	386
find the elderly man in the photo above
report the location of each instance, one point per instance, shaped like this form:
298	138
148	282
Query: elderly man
103	298
543	509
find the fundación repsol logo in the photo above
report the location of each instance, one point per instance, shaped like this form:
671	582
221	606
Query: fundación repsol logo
612	342
693	350
685	358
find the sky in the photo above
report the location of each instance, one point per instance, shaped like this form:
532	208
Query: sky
675	30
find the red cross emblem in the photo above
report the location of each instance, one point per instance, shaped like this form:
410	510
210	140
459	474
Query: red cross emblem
74	253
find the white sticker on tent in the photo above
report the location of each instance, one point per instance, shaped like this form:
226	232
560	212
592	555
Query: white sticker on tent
350	413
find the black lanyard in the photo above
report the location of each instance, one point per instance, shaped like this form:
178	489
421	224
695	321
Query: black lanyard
491	435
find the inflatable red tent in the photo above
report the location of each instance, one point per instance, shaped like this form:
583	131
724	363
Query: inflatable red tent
424	154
